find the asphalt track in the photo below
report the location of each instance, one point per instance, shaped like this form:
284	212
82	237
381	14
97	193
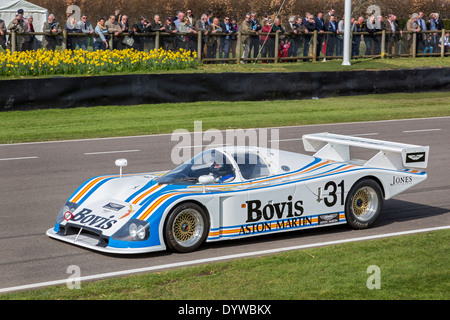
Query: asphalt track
37	178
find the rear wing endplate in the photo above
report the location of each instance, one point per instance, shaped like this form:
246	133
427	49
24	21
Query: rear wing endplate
391	155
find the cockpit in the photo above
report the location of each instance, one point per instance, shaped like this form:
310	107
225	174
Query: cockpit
221	166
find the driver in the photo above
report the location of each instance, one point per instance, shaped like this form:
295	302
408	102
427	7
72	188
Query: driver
222	172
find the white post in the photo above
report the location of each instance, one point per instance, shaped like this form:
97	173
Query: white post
347	42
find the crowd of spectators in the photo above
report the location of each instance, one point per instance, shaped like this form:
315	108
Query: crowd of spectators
219	36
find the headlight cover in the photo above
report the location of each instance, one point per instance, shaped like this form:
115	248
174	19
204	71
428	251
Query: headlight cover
66	212
133	230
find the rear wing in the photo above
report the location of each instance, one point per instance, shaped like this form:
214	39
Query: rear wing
391	155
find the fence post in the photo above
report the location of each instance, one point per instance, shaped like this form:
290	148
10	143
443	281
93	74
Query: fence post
13	41
277	45
383	44
314	49
414	44
442	42
239	47
199	46
64	42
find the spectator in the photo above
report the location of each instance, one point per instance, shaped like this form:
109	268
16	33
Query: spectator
283	50
179	18
421	37
3	34
212	38
127	41
310	27
266	18
30	42
438	22
181	41
193	38
266	41
225	41
254	39
190	16
291	29
101	35
87	29
233	43
379	27
393	34
320	27
169	42
277	27
201	25
358	26
51	26
328	15
186	28
429	44
71	27
369	39
331	26
117	15
340	37
114	29
411	27
18	26
299	39
138	41
445	42
141	42
210	15
246	27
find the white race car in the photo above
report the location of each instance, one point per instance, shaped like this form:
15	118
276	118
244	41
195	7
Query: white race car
238	192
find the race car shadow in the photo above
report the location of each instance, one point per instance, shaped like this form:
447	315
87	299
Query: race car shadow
398	210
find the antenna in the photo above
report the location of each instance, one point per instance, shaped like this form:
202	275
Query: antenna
121	163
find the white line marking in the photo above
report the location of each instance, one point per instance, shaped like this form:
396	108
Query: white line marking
282	127
423	130
216	259
106	152
205	145
281	140
21	158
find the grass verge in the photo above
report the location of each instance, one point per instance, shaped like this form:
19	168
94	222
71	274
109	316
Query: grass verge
413	267
95	122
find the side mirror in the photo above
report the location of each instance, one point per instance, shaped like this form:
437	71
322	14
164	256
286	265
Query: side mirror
205	179
121	163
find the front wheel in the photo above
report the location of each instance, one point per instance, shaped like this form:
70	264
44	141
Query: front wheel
186	227
363	204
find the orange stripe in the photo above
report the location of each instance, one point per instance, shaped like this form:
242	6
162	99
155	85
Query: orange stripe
146	193
154	205
85	189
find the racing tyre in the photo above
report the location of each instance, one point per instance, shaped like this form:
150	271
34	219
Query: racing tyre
186	227
363	204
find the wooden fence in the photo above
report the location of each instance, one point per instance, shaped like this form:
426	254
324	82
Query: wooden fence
313	54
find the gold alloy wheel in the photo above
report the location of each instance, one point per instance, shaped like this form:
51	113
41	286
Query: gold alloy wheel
188	227
365	203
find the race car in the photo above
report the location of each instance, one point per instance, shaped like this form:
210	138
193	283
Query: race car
237	192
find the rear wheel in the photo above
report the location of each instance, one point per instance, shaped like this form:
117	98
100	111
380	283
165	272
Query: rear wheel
186	227
363	204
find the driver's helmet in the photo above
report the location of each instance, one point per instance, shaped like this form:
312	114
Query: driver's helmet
222	171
